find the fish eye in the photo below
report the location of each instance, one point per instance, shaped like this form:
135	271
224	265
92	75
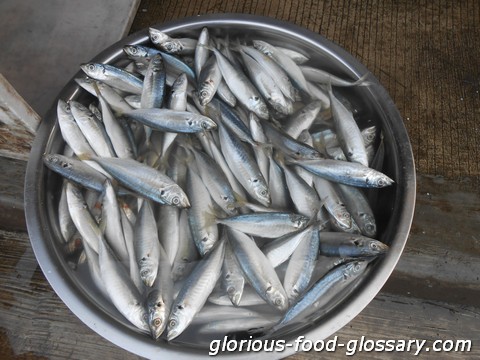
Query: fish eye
278	302
373	245
269	288
159	304
204	125
157	322
381	182
144	273
145	317
176	200
231	290
172	323
91	67
203	93
263	192
66	165
255	98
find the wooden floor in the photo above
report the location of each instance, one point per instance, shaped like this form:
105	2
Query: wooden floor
426	54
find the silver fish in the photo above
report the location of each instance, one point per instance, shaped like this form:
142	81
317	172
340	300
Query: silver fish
145	180
336	279
71	132
147	244
153	90
285	62
232	278
194	294
257	270
333	202
302	119
267	225
123	293
177	46
348	132
324	77
92	129
187	253
357	203
113	76
346	173
301	265
160	297
208	81
172	120
83	220
244	167
116	133
111	216
241	86
204	231
348	245
76	171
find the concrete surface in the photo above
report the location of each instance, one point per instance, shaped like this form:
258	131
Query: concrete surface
43	42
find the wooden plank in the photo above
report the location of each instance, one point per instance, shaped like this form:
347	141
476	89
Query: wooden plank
18	123
14	111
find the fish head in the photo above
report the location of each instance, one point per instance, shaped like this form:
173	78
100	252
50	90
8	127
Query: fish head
181	83
354	268
369	134
207	124
258	106
263	47
376	247
157	63
93	70
158	37
57	161
178	321
369	227
378	179
63	107
205	92
172	46
277	297
148	270
261	191
234	294
174	195
135	51
157	315
298	221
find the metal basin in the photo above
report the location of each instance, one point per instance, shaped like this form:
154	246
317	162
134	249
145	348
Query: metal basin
394	205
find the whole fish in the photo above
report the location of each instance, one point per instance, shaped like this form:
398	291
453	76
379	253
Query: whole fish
123	293
204	230
267	225
241	86
71	132
232	277
145	181
153	90
172	120
348	245
345	172
160	297
195	291
257	269
113	76
349	134
337	278
244	167
147	244
301	266
361	211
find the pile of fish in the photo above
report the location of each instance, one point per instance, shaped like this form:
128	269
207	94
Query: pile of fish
213	173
